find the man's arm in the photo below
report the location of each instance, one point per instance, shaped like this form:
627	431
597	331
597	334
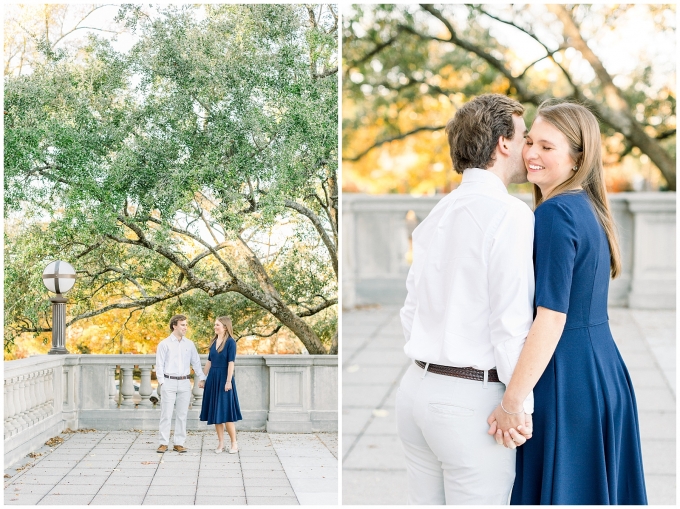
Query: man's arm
196	362
511	291
408	311
161	352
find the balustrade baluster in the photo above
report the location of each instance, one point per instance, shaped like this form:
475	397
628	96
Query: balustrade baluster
42	397
34	413
9	409
128	388
113	391
49	392
145	388
20	402
198	394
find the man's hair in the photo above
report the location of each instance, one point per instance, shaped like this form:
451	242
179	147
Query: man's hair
474	130
175	320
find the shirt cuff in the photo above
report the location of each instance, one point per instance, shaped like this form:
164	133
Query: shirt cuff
529	403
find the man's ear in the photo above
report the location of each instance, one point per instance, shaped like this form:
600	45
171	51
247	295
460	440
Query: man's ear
503	146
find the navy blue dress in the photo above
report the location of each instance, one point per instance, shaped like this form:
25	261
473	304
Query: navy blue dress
219	405
586	440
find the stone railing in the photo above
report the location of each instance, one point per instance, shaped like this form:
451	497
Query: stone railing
376	232
46	394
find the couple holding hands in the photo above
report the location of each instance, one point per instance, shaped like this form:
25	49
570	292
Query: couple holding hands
506	321
174	357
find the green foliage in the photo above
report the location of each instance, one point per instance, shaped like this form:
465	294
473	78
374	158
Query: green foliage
131	165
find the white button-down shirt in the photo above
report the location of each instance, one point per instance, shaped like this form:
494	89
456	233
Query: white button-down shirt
471	284
174	357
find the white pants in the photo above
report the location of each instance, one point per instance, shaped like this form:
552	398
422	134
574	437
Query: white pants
174	391
450	458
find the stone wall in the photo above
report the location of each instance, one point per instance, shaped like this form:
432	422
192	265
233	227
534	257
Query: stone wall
376	232
46	394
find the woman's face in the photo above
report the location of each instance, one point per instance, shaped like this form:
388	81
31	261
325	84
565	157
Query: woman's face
547	156
220	329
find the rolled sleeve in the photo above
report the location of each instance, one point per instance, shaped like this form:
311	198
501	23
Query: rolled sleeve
511	291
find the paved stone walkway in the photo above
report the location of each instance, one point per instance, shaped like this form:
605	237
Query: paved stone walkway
374	362
122	467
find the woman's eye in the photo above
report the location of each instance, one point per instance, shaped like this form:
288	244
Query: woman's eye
547	148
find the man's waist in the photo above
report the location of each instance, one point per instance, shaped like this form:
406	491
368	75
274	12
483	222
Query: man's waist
466	372
176	377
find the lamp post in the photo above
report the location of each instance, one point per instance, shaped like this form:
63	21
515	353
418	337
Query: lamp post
59	277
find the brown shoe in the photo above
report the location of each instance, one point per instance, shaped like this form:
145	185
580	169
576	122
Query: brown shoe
162	448
179	448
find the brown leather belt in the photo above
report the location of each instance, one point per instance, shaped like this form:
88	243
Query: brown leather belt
177	377
467	373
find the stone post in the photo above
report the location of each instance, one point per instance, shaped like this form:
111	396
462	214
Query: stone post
58	326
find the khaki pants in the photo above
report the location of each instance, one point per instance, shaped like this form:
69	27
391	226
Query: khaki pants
450	458
174	391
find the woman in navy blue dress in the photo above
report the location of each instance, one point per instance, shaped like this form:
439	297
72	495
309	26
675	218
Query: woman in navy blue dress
220	400
585	447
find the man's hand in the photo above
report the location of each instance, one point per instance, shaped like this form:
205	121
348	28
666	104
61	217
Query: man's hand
504	427
201	384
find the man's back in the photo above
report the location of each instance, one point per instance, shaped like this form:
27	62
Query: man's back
471	283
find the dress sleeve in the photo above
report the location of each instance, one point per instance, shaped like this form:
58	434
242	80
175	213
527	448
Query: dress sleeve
555	251
231	350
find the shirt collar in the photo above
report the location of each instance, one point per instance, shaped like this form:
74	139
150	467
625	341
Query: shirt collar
174	338
485	177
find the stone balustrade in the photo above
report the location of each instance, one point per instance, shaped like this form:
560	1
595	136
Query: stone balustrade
46	394
376	232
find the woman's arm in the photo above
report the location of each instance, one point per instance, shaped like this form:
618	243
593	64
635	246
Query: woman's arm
230	374
206	368
538	349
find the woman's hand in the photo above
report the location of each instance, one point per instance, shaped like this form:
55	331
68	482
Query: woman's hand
227	386
501	423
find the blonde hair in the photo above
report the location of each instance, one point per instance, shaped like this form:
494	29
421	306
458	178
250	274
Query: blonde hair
226	321
582	130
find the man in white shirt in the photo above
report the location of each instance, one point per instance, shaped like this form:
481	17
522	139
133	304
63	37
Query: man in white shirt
174	356
467	315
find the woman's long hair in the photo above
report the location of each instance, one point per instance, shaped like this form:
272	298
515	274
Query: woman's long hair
582	130
226	321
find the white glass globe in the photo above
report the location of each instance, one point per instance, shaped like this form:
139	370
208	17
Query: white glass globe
59	277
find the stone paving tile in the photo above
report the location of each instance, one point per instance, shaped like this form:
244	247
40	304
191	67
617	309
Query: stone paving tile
66	500
269	491
130	489
22	499
75	489
213	500
174	481
273	501
172	490
89	479
249	481
111	464
128	499
169	500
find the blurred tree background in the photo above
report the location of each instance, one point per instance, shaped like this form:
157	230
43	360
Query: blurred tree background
407	68
184	160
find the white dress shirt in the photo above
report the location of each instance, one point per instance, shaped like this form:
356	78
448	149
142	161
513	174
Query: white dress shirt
174	357
471	284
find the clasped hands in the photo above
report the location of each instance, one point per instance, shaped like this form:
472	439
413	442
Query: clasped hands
510	430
